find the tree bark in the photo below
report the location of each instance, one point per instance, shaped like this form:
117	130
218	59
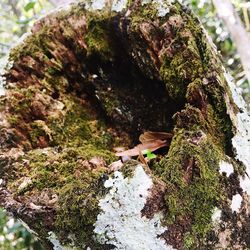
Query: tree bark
60	2
240	36
86	81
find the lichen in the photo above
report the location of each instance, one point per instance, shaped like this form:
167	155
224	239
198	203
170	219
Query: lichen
241	138
120	222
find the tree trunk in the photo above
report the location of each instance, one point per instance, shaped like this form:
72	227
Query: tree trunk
240	36
86	81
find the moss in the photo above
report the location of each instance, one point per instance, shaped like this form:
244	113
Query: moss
218	111
77	183
13	119
45	42
52	70
53	170
182	62
190	168
37	44
20	99
98	36
76	136
32	44
78	209
222	127
80	127
190	118
189	241
213	85
184	67
128	168
190	171
56	82
145	12
217	123
73	128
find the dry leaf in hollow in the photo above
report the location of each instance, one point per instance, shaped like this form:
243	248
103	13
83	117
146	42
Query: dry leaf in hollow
114	166
142	159
152	146
150	136
119	149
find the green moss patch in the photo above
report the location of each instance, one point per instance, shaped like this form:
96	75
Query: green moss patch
98	37
78	209
190	171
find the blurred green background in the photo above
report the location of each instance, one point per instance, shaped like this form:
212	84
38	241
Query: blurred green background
16	18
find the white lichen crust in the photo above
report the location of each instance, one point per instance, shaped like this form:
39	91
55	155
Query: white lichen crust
241	140
226	167
56	243
236	203
216	217
120	223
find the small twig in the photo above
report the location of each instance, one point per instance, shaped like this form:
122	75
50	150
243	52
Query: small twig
246	17
142	159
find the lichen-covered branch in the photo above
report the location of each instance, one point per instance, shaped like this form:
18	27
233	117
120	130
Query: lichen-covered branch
90	79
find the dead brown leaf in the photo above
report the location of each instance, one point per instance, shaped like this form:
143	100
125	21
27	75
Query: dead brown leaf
152	146
150	136
149	140
117	165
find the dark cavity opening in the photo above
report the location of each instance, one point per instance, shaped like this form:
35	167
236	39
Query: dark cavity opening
122	94
126	99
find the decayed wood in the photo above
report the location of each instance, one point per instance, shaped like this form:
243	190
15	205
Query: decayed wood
87	81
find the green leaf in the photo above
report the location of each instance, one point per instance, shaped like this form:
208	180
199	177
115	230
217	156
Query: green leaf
151	156
29	6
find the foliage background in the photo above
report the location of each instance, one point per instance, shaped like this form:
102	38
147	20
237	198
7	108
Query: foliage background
17	16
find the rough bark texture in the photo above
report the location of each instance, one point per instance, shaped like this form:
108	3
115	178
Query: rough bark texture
86	81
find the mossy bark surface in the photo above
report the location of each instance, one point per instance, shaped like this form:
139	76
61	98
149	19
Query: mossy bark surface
84	82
